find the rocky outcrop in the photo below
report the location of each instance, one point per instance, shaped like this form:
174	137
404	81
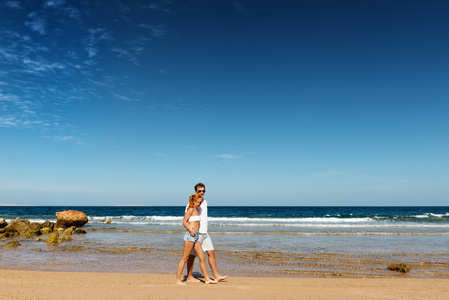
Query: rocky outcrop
48	224
46	230
53	238
66	238
399	267
25	228
29	229
13	244
70	231
3	223
10	231
70	218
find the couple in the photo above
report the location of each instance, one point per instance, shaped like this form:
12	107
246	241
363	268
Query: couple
196	239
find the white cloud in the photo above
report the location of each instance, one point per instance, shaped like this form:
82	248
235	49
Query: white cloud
129	55
72	12
123	97
41	66
92	40
54	3
16	112
37	22
155	31
159	7
66	138
8	55
13	4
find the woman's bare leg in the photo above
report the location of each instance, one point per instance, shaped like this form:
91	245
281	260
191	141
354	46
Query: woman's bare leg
202	258
188	246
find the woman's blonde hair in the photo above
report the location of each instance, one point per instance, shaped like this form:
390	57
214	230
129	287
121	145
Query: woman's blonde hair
193	198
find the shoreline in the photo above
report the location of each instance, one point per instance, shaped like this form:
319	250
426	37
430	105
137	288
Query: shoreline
23	284
91	257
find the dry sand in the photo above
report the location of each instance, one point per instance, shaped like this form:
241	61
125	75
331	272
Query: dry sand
18	284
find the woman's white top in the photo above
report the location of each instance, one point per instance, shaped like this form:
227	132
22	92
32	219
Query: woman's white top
194	218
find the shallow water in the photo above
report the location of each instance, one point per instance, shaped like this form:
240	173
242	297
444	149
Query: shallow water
287	242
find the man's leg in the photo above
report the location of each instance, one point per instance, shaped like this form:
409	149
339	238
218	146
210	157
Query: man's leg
213	266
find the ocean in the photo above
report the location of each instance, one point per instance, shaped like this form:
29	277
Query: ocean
249	241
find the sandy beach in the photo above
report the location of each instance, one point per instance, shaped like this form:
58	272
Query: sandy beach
19	284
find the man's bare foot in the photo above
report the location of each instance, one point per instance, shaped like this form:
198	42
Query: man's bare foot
193	279
220	278
211	281
180	282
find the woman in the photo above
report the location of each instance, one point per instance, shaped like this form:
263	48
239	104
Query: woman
192	223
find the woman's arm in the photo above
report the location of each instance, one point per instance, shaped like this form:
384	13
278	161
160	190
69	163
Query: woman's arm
186	222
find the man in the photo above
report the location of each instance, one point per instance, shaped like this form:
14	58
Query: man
205	241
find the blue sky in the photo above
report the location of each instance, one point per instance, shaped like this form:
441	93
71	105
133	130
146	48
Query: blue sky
266	102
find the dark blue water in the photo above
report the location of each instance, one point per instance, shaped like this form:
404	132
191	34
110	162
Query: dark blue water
420	214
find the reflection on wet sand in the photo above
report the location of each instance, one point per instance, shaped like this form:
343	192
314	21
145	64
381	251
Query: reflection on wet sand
91	256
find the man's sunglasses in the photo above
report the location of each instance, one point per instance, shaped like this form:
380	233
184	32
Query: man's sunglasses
201	191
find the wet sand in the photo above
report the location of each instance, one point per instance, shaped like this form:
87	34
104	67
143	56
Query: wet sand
80	257
19	284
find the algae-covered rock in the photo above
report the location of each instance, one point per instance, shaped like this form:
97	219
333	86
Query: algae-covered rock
399	267
48	224
70	230
13	244
67	238
53	238
45	230
23	228
3	223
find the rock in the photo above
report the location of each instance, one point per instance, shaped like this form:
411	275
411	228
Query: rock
10	230
25	228
3	223
48	224
13	244
399	267
46	230
21	226
80	231
109	222
67	238
37	240
34	229
70	230
69	218
53	238
27	222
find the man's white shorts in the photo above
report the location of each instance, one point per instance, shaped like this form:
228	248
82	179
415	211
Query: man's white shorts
206	243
